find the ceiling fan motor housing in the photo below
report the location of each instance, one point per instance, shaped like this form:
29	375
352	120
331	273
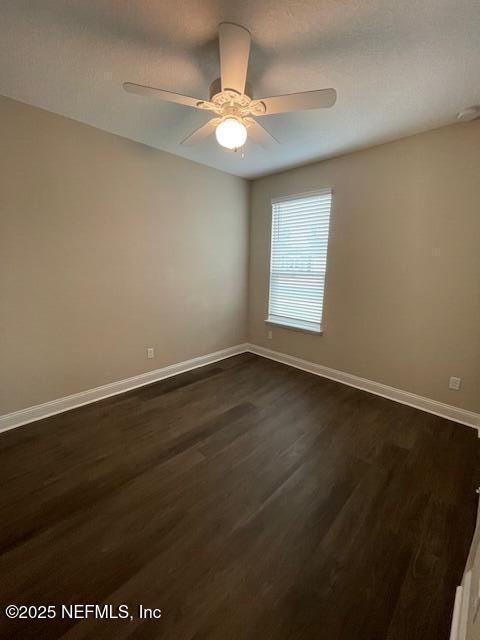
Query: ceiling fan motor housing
232	104
216	88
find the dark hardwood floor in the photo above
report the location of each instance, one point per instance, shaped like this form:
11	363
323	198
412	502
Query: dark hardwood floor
246	500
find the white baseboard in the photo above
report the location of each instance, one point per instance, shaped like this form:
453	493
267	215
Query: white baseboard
450	412
40	411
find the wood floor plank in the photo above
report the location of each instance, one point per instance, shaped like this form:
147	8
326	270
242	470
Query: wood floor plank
247	500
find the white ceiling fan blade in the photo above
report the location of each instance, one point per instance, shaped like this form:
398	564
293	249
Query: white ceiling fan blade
260	135
142	90
234	52
200	134
323	98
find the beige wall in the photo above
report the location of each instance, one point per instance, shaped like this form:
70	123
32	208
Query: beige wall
107	247
402	302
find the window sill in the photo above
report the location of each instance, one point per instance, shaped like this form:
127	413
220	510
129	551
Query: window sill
293	327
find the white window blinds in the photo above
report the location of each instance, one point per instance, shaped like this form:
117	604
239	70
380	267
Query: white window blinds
299	259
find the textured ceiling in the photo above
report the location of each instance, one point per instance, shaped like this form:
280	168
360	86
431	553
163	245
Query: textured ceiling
399	66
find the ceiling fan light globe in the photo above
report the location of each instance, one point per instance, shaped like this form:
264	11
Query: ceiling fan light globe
231	133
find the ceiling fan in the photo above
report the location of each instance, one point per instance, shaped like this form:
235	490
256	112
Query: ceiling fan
230	97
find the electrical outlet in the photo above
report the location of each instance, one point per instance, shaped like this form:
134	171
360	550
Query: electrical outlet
269	335
150	352
454	383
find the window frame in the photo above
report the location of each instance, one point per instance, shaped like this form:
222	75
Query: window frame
296	325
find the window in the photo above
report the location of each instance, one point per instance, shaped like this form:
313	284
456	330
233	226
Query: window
299	259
